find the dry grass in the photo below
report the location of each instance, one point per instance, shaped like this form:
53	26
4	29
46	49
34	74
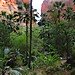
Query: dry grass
43	72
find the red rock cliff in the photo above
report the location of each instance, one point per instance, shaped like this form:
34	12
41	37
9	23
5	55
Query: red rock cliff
7	5
48	3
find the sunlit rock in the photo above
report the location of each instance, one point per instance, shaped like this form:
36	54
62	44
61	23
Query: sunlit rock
10	6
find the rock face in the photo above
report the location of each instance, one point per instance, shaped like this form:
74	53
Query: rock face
26	1
48	4
10	5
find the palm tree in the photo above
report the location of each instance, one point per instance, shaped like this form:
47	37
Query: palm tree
24	17
54	13
27	16
59	6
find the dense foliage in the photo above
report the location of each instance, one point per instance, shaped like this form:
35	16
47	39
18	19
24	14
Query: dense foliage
52	42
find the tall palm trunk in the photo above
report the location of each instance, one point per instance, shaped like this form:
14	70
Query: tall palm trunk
26	41
29	65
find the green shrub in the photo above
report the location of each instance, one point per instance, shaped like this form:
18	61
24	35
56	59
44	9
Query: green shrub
46	60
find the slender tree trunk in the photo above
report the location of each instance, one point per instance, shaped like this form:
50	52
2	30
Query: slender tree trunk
26	42
30	34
